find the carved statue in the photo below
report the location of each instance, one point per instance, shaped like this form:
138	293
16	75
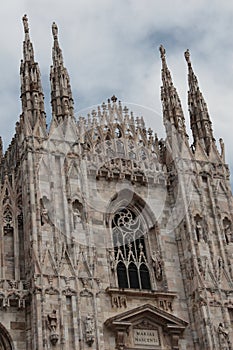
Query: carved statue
52	325
77	217
227	231
222	146
35	102
52	321
25	24
54	30
223	335
180	123
219	267
44	213
44	216
199	231
157	265
112	259
77	210
207	129
89	328
66	108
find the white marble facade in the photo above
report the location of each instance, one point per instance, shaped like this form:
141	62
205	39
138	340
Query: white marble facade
111	237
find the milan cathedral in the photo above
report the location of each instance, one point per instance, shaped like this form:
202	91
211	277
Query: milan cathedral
112	238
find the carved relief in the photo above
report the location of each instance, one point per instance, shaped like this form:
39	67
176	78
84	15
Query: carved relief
165	305
119	301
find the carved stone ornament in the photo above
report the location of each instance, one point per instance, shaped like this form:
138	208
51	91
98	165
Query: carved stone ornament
54	338
89	330
119	301
120	340
52	325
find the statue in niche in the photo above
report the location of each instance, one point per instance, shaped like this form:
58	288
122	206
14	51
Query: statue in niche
77	217
200	235
227	230
89	329
44	213
207	129
66	108
44	216
76	206
199	231
157	265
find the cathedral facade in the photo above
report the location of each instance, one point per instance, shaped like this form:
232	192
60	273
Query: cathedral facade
112	238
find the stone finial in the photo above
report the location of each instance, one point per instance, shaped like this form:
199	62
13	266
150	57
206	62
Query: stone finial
187	56
25	24
54	30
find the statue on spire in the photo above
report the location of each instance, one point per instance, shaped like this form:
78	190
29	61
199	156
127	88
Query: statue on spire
162	51
25	24
54	30
187	56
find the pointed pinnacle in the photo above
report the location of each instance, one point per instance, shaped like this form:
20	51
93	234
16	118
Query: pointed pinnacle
25	24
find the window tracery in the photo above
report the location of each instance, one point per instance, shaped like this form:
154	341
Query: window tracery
130	250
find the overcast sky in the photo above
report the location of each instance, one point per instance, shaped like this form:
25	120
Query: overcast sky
111	47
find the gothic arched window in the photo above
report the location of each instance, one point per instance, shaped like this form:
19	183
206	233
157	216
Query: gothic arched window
130	251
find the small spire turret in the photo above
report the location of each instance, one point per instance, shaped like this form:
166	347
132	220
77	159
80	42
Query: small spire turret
172	109
32	96
200	121
61	95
